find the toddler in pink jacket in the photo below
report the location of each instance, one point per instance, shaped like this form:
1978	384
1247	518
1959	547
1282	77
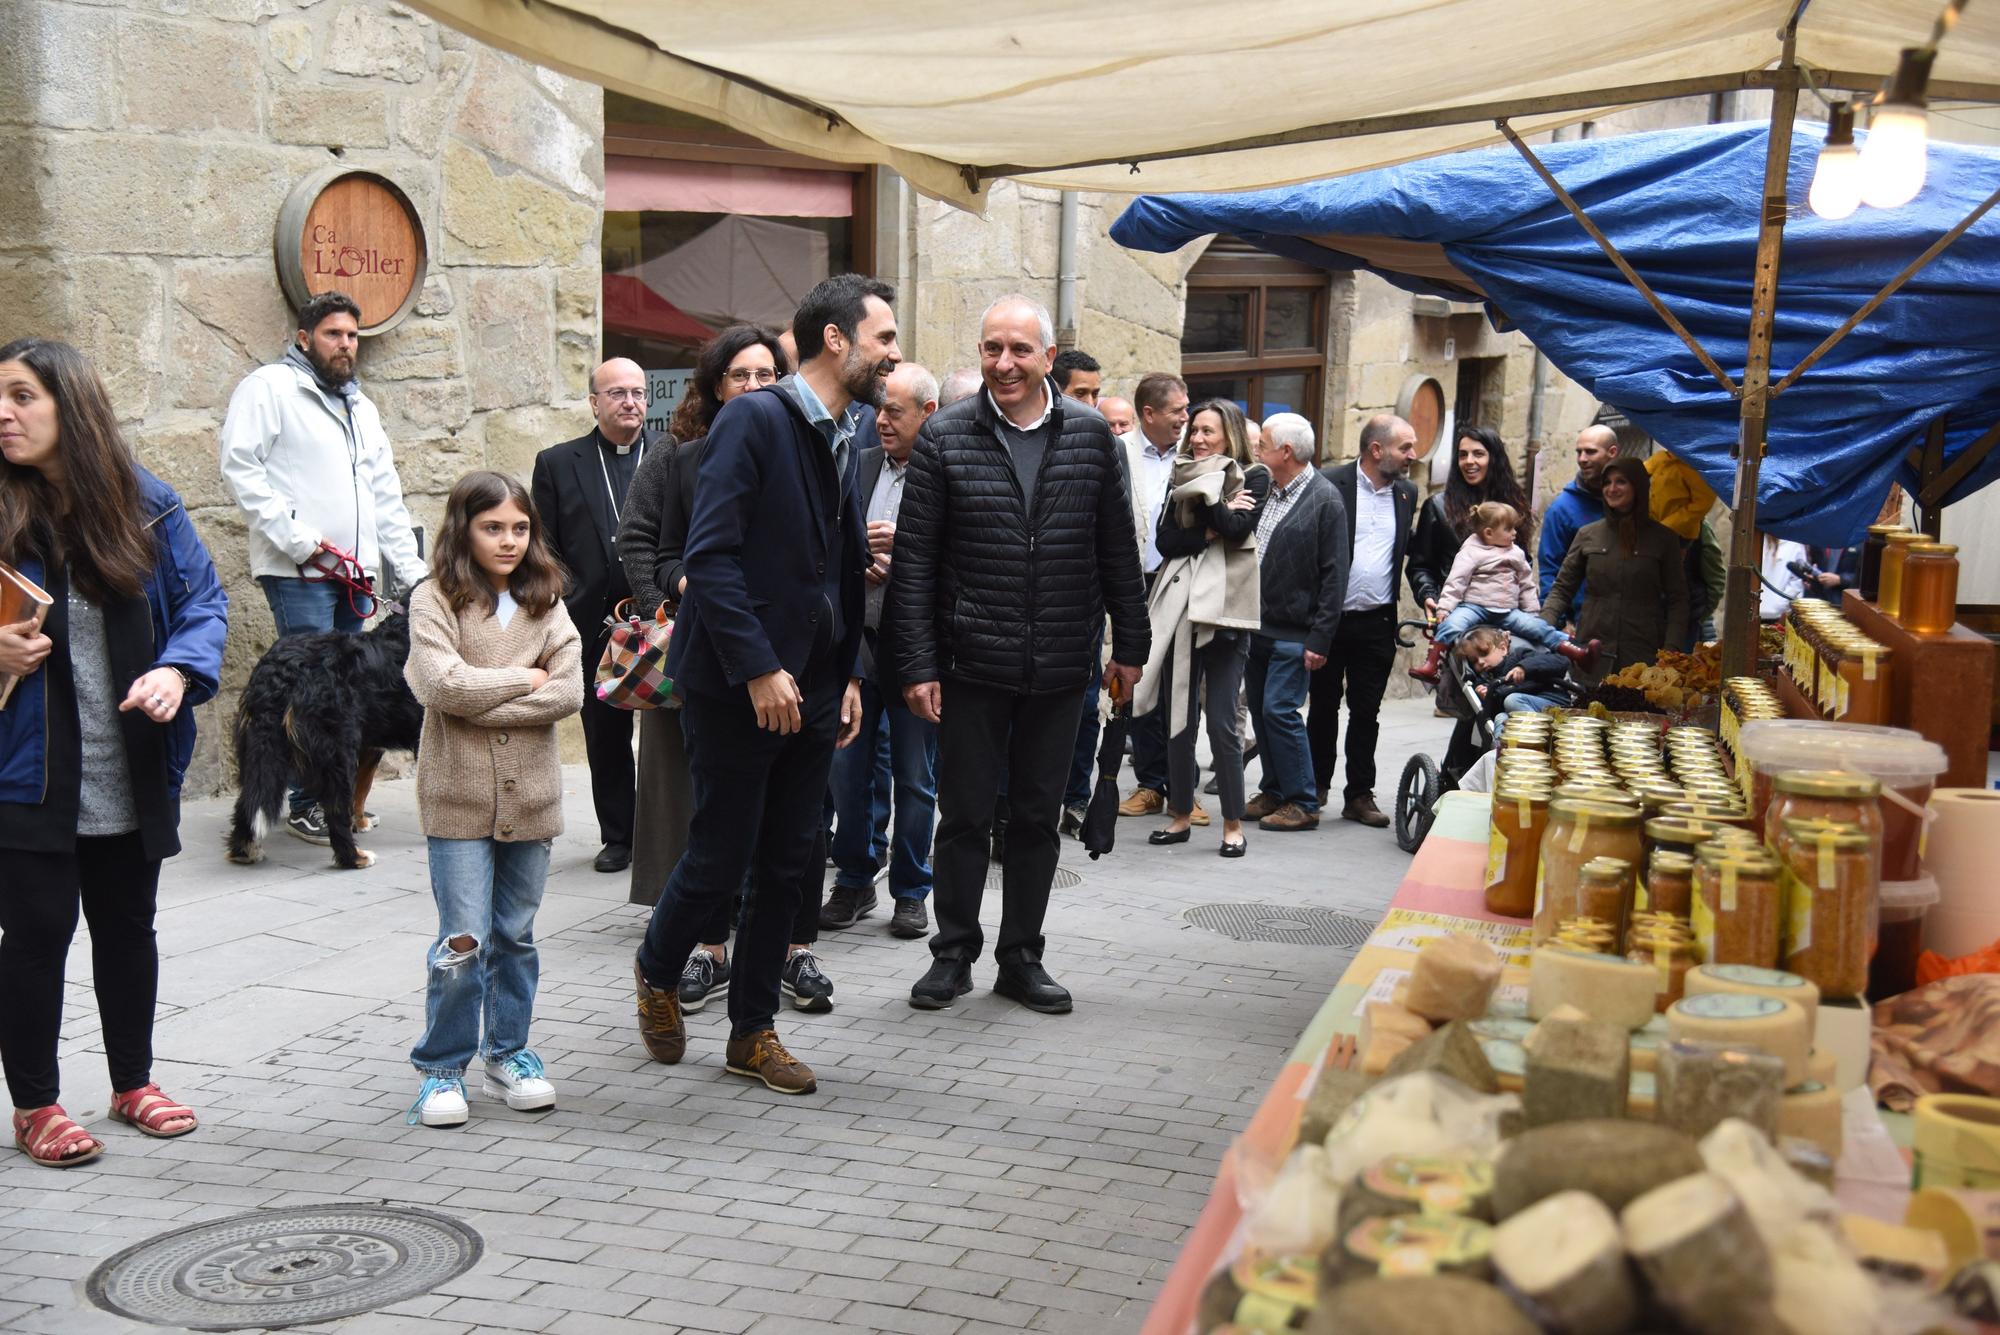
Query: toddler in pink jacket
1492	584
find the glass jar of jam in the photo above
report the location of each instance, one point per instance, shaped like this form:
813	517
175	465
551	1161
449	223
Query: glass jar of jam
1578	831
1836	795
1513	849
1604	892
1737	906
1671	954
1830	885
1669	886
1930	588
1889	590
1871	557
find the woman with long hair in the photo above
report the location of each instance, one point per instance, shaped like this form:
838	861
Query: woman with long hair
1202	625
96	736
651	537
1481	471
1638	600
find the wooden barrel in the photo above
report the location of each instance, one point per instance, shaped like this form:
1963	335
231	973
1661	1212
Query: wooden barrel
355	232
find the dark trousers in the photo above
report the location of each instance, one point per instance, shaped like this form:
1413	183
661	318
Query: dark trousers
1215	674
116	885
757	798
607	745
984	731
1357	670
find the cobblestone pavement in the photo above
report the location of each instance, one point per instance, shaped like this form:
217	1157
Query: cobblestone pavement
982	1169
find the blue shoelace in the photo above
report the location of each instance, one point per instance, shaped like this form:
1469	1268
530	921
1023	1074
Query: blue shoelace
432	1084
523	1065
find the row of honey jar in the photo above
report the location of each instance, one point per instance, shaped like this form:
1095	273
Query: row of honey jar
1842	671
1913	580
1799	894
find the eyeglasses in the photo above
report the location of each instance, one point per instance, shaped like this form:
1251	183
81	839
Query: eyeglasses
744	375
623	395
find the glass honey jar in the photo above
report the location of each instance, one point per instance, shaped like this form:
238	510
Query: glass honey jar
1889	591
1930	588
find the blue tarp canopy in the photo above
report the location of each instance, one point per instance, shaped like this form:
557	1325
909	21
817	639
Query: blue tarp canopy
1683	207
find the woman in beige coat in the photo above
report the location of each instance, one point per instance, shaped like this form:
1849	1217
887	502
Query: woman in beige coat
495	662
1204	606
1629	568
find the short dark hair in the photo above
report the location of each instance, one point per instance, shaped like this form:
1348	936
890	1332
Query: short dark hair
1076	359
313	314
1155	388
840	301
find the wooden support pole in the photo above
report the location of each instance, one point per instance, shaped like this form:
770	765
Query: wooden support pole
1746	548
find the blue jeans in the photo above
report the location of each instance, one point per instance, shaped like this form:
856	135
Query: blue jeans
1277	682
1520	702
861	784
1466	615
488	890
299	606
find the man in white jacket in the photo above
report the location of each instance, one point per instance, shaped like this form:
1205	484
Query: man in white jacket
305	456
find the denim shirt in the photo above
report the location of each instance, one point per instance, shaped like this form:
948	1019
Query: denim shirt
837	434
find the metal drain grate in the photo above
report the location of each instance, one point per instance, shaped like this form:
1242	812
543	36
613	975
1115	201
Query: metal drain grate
276	1268
1280	922
1064	879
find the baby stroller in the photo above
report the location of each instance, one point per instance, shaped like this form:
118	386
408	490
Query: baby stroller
1424	780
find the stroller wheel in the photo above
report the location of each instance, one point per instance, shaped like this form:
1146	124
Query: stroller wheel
1416	802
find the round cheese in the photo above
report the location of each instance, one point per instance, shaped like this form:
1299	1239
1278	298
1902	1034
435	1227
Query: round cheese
1749	980
1812	1112
1509	1061
1823	1068
1604	987
1777	1027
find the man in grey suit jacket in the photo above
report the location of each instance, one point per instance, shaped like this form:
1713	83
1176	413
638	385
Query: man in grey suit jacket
909	397
1302	555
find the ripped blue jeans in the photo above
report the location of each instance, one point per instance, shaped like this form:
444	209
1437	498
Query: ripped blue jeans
483	966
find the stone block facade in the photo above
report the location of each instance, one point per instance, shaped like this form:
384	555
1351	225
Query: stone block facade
155	149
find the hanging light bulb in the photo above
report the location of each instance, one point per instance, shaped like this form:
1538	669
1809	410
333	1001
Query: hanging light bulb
1836	183
1893	159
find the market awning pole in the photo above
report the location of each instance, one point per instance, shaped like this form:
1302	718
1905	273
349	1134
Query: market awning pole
1739	630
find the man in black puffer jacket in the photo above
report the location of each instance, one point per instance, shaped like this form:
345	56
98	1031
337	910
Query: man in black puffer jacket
1015	538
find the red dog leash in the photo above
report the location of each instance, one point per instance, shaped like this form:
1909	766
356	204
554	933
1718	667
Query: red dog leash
329	564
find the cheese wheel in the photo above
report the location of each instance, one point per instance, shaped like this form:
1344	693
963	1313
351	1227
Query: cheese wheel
1749	980
1604	987
1777	1027
1823	1068
1509	1061
1812	1112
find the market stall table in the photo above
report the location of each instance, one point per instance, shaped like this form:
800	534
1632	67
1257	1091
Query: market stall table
1443	892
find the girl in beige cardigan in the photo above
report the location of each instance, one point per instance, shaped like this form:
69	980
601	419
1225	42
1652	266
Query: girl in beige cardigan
495	662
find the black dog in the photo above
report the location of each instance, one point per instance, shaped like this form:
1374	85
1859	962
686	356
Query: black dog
323	707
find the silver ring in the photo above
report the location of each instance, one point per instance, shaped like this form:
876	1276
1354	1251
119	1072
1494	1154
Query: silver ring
158	702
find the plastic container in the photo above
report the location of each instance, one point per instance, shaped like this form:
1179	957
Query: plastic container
1900	936
1905	763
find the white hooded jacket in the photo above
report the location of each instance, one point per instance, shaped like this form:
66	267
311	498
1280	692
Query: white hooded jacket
301	471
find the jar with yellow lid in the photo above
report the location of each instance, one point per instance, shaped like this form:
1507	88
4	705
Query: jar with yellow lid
1596	792
1604	892
1930	588
1514	849
1872	548
1831	878
1713	814
1889	589
1669	886
1577	832
1738	906
1671	955
1836	795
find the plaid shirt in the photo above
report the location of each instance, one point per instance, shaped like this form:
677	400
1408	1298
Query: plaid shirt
1276	506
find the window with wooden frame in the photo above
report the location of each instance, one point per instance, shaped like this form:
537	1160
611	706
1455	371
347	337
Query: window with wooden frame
1255	331
705	227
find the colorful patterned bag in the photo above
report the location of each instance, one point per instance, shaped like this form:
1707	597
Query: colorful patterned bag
633	672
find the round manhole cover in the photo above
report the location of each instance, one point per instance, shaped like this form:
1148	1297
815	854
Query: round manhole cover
284	1267
1281	922
1064	879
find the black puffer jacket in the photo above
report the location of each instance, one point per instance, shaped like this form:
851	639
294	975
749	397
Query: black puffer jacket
988	589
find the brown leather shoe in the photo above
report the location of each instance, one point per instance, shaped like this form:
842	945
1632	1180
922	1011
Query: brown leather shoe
1197	816
1143	802
762	1057
1363	811
1290	816
660	1027
1262	805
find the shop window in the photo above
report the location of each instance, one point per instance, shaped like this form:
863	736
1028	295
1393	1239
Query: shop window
705	228
1255	331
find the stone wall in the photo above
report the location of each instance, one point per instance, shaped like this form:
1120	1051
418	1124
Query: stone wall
156	150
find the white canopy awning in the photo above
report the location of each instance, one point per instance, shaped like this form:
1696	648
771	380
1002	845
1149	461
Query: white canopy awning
1208	95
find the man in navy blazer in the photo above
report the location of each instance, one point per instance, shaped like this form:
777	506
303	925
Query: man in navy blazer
763	658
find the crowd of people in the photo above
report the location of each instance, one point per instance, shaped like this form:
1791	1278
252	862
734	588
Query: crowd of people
902	608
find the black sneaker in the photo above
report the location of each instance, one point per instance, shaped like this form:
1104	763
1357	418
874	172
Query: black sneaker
701	979
947	981
910	920
309	824
846	906
613	857
809	989
1072	820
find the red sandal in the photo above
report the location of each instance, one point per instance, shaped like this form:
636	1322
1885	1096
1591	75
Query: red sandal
51	1139
148	1111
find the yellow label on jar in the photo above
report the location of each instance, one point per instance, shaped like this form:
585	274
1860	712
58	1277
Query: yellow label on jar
1496	858
1703	921
1580	833
1663	962
1828	872
1826	691
1842	691
1538	890
1798	901
1868	664
1728	887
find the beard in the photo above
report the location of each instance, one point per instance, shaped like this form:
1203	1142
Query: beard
333	373
863	379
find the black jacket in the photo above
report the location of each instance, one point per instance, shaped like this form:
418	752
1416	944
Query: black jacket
1302	572
568	488
990	589
878	646
773	524
1544	672
652	540
1342	476
1432	550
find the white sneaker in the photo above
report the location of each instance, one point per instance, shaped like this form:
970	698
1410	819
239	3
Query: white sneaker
521	1082
440	1102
